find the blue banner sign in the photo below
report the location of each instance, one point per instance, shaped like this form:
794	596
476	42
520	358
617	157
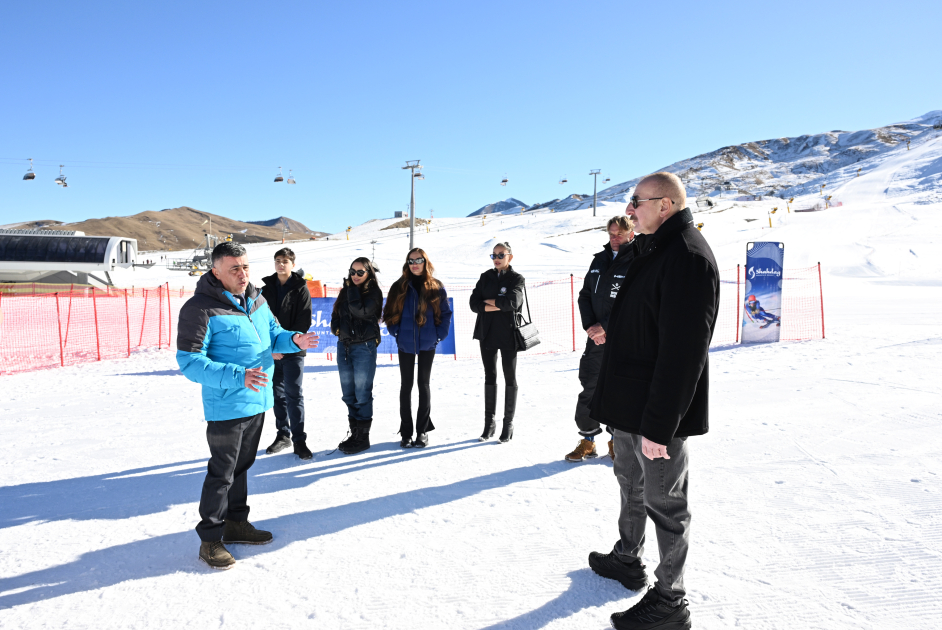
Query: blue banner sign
762	309
322	308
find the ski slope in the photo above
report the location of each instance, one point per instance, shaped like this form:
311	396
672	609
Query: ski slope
816	496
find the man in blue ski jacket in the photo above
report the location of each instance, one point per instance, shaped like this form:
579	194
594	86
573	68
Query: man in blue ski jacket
225	339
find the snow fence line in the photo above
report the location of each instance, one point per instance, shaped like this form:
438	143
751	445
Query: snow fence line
47	325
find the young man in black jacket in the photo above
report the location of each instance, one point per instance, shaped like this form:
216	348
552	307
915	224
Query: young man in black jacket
596	297
653	391
290	301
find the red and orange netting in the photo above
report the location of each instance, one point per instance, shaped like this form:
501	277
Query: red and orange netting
44	325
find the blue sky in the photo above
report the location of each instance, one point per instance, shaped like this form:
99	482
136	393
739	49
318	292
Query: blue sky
157	105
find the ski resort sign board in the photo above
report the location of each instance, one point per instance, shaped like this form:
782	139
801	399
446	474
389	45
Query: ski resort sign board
762	310
322	308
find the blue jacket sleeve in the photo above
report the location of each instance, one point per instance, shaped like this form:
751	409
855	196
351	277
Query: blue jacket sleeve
442	329
193	335
280	338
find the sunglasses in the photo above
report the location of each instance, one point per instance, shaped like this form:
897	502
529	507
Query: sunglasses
357	272
415	261
635	202
499	256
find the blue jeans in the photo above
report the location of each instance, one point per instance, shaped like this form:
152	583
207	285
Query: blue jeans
357	366
289	397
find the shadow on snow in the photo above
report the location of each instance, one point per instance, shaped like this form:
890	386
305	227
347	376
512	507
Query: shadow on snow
177	553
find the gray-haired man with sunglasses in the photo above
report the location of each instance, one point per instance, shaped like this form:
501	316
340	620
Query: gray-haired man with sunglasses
652	390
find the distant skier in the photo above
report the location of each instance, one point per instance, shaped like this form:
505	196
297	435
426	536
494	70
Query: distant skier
757	314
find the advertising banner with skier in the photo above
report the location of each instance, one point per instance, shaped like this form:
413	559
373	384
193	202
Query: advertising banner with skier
762	310
321	309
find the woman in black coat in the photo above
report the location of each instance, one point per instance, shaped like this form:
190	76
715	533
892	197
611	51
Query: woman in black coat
355	321
498	299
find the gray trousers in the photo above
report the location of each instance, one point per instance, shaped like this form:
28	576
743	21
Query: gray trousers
656	489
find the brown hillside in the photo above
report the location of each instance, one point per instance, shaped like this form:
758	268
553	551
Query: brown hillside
179	228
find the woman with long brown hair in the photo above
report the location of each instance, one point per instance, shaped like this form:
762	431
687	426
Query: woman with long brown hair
418	315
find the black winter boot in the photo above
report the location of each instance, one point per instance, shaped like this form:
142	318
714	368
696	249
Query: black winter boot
490	409
632	576
360	440
510	406
301	450
244	533
653	613
281	442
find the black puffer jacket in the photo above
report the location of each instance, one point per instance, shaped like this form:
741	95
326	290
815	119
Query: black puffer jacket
654	379
294	311
356	313
495	329
602	283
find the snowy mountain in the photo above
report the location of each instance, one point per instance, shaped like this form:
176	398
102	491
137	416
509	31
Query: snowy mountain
507	205
791	167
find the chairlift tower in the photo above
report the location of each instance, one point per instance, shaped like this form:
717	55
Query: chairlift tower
595	188
413	166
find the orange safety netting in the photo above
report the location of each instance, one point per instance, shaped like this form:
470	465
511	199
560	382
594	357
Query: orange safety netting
57	325
80	323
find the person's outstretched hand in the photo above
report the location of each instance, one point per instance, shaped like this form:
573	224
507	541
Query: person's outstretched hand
306	341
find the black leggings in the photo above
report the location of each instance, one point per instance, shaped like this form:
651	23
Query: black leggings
423	420
508	360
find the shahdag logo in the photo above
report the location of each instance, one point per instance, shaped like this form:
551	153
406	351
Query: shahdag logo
753	272
615	287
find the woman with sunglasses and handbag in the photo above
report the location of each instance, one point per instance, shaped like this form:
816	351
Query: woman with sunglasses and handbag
497	299
418	315
355	321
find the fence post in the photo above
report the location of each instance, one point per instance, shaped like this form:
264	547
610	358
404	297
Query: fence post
59	323
738	323
160	316
95	308
127	319
572	303
169	318
143	317
821	291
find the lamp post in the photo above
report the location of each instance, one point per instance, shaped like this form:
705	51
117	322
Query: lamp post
413	166
595	187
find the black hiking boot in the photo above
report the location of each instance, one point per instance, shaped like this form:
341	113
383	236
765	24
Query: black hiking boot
490	409
510	407
631	576
653	613
420	441
244	533
302	451
406	442
281	442
360	439
215	554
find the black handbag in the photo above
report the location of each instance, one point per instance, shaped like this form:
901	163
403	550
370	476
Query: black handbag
526	333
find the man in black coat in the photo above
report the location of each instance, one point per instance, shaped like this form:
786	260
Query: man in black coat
290	301
599	289
652	390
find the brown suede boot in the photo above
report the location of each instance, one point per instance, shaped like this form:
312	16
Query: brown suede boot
215	554
585	450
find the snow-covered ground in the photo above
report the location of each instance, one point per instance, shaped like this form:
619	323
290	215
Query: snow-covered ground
816	496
